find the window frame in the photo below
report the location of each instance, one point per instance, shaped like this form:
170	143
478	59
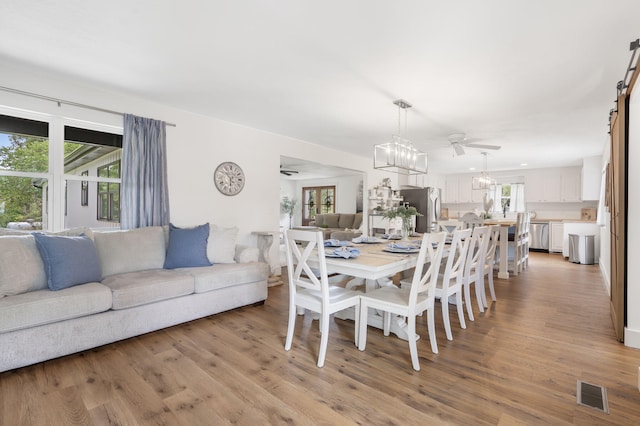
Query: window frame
112	190
54	204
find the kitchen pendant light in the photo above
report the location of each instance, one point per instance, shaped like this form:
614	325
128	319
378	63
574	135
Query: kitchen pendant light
484	181
399	155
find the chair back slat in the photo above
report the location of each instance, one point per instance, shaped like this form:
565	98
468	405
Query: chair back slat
494	235
303	247
457	253
426	282
477	250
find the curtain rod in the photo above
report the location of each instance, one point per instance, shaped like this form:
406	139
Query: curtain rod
62	101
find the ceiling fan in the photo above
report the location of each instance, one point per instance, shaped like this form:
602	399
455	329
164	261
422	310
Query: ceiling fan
287	172
459	140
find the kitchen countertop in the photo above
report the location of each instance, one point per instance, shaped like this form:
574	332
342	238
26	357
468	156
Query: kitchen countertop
544	219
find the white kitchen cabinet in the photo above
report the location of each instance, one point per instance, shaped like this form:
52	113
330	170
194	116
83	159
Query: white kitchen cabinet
543	186
458	190
555	237
553	186
451	190
465	193
571	191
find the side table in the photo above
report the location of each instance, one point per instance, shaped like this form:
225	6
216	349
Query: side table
265	240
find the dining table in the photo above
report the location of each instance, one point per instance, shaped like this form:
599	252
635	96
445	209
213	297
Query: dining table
375	265
503	271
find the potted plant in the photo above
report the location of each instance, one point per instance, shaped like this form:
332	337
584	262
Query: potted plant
287	206
405	213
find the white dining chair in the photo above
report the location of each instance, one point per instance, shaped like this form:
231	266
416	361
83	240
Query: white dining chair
519	244
471	220
409	302
489	264
309	286
450	281
474	266
449	226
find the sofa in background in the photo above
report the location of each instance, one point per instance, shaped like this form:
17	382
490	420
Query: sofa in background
339	222
61	294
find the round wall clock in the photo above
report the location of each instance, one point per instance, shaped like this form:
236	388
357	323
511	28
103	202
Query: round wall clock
229	178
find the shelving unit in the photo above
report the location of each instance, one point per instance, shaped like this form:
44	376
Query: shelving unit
386	198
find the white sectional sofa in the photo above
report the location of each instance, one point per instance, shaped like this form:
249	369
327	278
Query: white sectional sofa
114	285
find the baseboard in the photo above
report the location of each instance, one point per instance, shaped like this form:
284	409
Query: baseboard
632	338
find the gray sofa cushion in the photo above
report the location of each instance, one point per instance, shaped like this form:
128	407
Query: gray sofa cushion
223	275
331	220
46	306
346	220
138	288
21	266
129	251
357	221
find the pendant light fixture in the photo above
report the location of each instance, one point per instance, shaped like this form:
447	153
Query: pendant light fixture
399	155
484	181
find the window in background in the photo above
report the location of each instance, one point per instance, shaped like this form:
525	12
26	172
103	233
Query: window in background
317	200
24	172
92	172
84	190
508	198
109	193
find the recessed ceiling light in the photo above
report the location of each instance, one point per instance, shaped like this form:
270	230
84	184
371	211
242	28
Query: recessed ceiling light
523	164
472	168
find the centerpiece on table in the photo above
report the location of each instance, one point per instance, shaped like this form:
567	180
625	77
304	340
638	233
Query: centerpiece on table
405	213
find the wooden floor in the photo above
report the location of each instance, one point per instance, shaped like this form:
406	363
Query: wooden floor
518	363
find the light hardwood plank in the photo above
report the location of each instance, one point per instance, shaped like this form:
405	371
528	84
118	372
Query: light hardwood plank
516	364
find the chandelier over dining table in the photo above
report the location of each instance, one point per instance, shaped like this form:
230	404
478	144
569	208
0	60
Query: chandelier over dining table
399	155
483	182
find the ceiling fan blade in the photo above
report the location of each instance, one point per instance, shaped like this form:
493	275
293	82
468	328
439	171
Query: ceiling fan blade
458	148
475	145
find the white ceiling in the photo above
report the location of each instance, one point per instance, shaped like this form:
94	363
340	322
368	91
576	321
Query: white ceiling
536	77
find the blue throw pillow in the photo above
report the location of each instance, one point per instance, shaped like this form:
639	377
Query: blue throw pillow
68	261
187	247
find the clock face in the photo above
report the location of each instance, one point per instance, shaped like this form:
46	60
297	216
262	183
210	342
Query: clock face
229	178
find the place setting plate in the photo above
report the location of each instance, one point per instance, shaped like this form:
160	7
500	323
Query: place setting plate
343	253
401	248
367	240
337	243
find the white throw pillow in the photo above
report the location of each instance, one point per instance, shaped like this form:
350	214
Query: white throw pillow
21	266
221	247
130	251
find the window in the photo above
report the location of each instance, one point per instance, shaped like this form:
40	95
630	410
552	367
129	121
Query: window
109	193
317	200
84	190
46	169
508	198
24	166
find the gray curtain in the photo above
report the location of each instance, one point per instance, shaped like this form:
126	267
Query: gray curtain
144	189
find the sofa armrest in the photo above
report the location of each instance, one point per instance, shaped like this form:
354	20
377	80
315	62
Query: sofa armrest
246	254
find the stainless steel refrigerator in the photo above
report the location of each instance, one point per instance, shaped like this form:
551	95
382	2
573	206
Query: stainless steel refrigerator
427	202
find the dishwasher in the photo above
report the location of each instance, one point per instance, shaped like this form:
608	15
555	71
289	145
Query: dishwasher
539	236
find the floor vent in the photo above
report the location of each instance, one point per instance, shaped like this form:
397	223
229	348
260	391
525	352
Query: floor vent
593	396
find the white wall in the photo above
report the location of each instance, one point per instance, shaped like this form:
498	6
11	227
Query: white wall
632	330
195	147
